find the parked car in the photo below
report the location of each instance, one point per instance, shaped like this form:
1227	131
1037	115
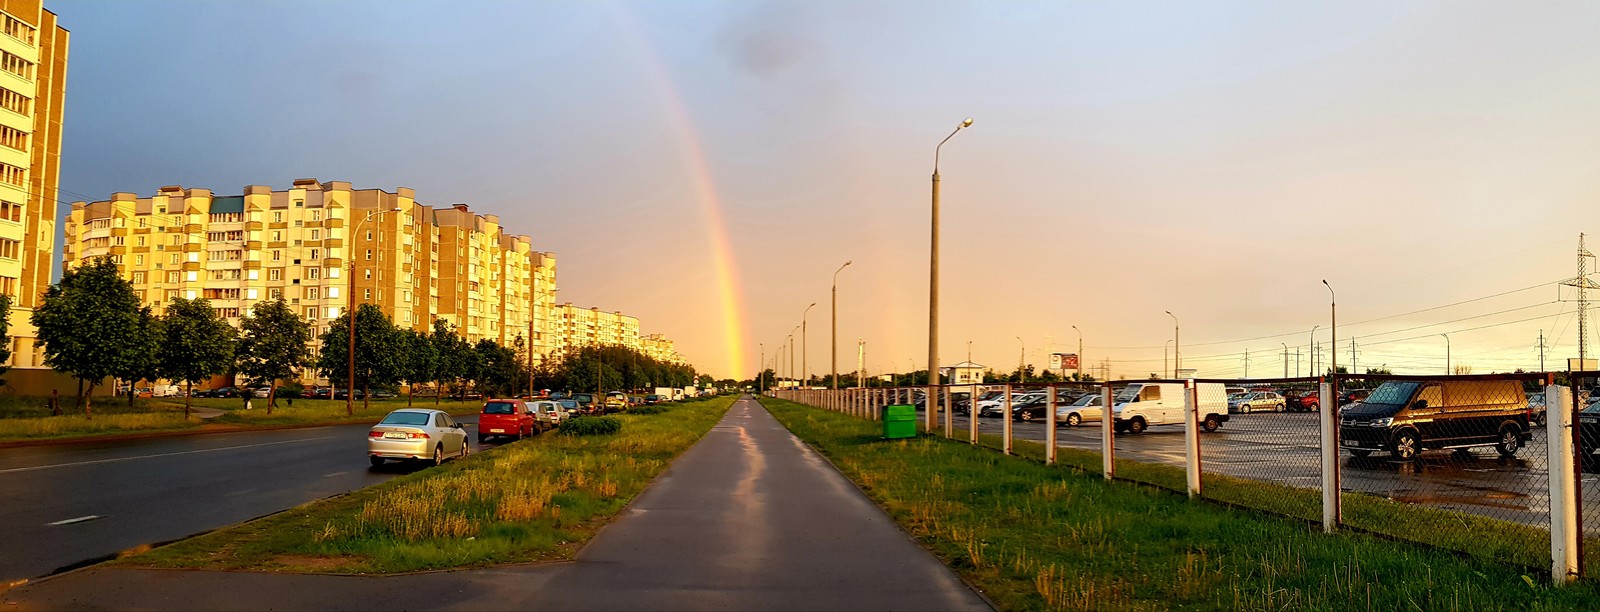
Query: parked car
1352	396
417	434
1256	401
1140	406
262	392
1300	400
652	400
340	394
569	408
225	392
1087	408
997	407
547	414
505	418
320	393
1035	406
1589	436
585	401
1536	408
382	394
1405	418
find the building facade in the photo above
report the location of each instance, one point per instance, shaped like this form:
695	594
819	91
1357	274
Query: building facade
33	71
578	327
322	246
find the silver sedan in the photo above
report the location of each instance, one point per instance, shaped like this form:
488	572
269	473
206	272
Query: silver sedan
417	434
1087	408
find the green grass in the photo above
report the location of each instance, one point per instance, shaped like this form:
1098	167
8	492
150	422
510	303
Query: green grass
28	418
1037	537
537	499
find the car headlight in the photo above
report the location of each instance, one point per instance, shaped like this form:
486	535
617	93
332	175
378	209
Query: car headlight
1381	422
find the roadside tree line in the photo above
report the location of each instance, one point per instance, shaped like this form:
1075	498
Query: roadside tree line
92	326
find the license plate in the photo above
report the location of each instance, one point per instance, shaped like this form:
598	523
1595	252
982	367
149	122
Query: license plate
394	435
1351	443
497	431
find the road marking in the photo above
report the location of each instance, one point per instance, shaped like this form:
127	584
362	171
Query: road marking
334	474
189	452
70	521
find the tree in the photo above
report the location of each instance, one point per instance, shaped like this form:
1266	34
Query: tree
5	336
272	345
195	344
499	368
89	323
377	358
421	361
142	365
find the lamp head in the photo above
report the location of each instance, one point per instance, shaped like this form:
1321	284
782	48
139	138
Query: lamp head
966	123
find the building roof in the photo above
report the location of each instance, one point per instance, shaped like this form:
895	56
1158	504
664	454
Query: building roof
967	364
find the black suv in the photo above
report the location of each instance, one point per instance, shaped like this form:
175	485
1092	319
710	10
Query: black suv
1405	418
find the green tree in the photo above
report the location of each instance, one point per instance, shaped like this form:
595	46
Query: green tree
272	345
499	368
449	350
377	356
421	361
5	336
89	323
195	344
142	365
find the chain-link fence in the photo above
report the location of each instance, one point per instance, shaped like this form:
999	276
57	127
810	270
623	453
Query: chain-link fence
1461	462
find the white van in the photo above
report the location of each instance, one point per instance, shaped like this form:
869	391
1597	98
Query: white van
1140	406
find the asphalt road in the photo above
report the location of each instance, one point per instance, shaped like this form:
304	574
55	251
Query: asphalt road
65	504
1284	448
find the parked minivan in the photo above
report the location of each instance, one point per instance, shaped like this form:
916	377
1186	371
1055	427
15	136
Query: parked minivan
1142	405
1407	417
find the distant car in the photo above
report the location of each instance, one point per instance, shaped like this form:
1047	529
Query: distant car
1301	400
340	394
262	392
320	393
1589	436
585	401
1537	408
996	407
548	414
1035	406
1352	396
505	418
418	435
381	394
652	399
1255	401
569	408
1087	408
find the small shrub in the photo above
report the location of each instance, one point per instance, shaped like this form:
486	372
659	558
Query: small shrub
652	409
591	426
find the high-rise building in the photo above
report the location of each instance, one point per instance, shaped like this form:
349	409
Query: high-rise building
33	72
321	247
578	327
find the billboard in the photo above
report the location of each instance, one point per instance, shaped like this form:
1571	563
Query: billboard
1063	361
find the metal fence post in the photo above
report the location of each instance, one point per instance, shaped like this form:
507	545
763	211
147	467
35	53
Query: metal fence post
1191	435
1108	446
1330	456
1050	428
949	414
1005	424
972	419
1563	499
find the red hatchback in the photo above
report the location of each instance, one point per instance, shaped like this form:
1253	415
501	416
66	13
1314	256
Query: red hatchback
505	418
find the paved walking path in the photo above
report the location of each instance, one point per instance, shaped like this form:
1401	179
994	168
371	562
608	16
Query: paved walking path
748	519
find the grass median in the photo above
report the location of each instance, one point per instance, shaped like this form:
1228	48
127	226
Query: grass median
538	499
1045	537
28	418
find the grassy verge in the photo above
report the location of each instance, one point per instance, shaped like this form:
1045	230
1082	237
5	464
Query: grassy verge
533	500
29	419
1044	537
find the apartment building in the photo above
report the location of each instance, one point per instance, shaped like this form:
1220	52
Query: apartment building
578	326
33	70
659	348
322	246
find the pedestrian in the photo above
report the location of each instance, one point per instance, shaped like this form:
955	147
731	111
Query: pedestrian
247	396
290	399
55	402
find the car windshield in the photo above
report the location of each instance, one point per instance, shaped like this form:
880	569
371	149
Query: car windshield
405	418
1087	400
1392	393
1128	394
499	408
569	404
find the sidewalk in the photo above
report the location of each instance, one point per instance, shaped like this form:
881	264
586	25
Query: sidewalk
748	519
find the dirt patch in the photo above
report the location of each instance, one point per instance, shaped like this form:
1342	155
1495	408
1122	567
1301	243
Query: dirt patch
313	563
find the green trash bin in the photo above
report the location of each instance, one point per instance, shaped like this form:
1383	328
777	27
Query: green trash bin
899	421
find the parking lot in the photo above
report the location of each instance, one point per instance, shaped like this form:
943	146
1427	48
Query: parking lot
1284	448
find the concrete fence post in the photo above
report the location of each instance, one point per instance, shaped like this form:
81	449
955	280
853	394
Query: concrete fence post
972	417
949	412
1329	419
1005	424
1050	429
1191	435
1563	491
1108	446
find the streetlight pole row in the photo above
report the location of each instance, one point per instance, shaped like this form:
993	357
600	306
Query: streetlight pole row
933	283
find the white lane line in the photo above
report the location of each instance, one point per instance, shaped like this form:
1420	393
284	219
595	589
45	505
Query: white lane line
189	452
74	520
334	474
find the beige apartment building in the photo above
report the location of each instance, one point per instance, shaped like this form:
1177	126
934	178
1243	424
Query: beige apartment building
580	326
33	71
320	245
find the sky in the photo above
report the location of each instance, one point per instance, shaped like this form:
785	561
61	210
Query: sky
707	166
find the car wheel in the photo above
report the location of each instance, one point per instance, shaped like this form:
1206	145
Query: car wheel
1361	453
466	448
1510	441
1074	420
482	438
1541	419
1245	408
1211	423
1136	425
1405	446
375	460
438	454
1027	416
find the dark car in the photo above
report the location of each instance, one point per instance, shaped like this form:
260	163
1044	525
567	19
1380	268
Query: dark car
1034	408
320	393
1405	418
1301	400
1589	436
340	394
1353	395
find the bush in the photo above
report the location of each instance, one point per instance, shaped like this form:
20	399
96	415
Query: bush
591	426
291	390
653	409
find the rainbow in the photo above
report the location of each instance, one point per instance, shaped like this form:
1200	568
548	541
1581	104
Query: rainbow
728	293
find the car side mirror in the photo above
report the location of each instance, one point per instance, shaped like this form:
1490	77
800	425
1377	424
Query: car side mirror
460	426
1420	404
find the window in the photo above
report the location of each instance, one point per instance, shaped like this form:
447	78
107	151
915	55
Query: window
20	30
13	175
277	255
316	234
175	239
316	215
369	235
9	248
13	138
228	236
369	254
299	203
139	241
277	235
369	274
222	294
277	216
172	277
10	211
138	278
16	65
227	313
15	102
274	294
313	273
275	274
193	276
312	312
193	256
316	253
8	286
299	223
177	258
366	294
138	260
313	293
226	217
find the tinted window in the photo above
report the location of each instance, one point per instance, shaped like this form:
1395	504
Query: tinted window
1392	393
499	408
405	418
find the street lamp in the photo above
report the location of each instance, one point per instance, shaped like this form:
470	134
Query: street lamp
933	279
350	250
1022	357
1311	350
1446	354
833	342
761	377
1333	315
1080	351
805	371
1285	359
1177	361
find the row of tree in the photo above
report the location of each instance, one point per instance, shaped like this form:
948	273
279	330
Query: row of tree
91	325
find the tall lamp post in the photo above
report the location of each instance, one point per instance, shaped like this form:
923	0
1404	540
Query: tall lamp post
833	342
1333	316
1177	360
761	377
933	281
1447	371
1080	351
1022	357
1311	351
805	371
1285	359
350	393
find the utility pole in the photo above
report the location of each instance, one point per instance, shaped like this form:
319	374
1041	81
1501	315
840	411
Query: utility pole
1583	284
1541	350
1247	363
1297	359
1352	355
